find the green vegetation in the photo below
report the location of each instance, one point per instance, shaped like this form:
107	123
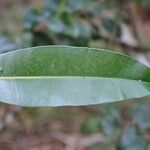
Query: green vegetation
118	25
70	76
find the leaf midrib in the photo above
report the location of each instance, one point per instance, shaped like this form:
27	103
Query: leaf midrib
64	77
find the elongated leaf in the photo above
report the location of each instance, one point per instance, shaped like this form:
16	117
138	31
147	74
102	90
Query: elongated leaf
62	75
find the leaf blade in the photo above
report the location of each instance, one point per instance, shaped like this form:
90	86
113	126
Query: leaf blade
60	75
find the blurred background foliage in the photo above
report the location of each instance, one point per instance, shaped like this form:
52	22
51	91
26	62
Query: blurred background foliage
118	25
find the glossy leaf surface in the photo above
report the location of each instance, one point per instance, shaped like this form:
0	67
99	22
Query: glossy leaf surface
63	75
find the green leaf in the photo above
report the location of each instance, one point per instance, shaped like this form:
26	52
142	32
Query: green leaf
75	29
110	26
31	19
63	75
52	6
85	5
